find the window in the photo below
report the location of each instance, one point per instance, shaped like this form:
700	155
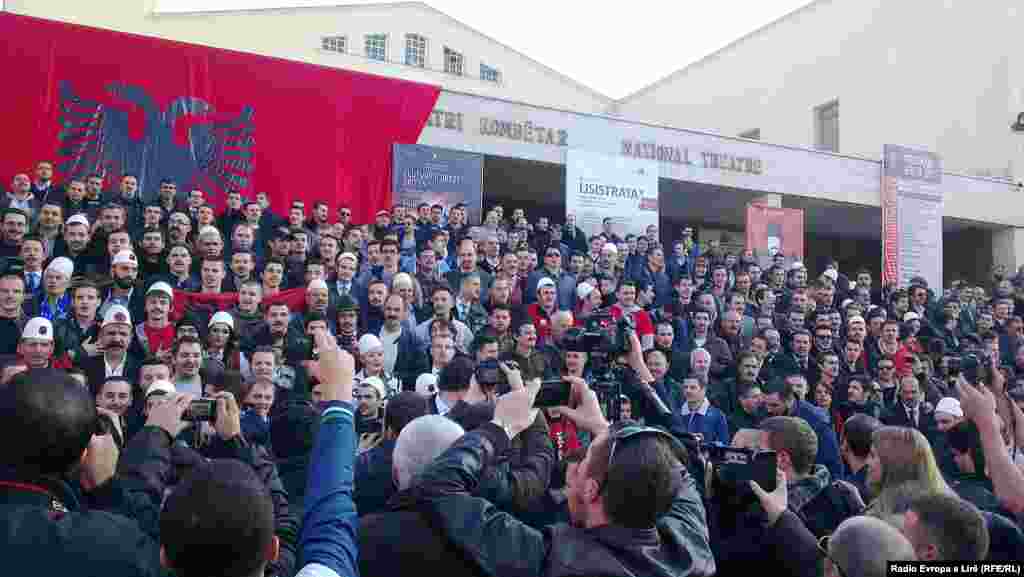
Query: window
752	134
334	43
826	121
452	62
415	50
377	46
488	74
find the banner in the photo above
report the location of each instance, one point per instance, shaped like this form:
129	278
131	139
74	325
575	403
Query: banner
772	231
599	186
93	100
912	207
438	176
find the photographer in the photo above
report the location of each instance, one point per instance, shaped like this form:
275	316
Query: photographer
150	466
51	427
635	509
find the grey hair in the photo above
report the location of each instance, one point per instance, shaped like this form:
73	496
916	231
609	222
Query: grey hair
419	443
695	352
864	546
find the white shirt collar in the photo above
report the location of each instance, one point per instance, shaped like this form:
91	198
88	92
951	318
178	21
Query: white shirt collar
701	410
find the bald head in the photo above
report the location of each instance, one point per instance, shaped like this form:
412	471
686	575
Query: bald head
419	443
863	545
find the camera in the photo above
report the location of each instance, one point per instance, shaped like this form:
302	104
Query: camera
553	393
604	334
970	365
201	410
731	469
489	375
12	265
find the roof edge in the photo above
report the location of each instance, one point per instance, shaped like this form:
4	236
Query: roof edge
608	100
704	59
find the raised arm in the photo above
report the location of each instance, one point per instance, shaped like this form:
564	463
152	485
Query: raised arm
328	541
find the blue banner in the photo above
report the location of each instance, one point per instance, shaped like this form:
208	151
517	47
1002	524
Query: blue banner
438	176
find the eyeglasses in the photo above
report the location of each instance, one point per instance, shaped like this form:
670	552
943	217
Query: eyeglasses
823	549
628	432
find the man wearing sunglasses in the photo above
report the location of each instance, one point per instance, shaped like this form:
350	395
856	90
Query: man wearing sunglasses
634	509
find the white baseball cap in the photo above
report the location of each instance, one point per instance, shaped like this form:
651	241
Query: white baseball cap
77	219
797	266
124	257
160	387
160	287
911	316
426	384
38	328
610	247
116	315
546	281
223	318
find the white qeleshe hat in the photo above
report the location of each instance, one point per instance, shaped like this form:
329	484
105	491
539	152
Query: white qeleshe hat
950	406
369	343
316	284
584	290
62	265
38	328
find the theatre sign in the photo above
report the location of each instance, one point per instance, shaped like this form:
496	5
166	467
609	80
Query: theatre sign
509	129
681	155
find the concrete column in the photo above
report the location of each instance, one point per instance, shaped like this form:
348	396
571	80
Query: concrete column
1008	248
770	199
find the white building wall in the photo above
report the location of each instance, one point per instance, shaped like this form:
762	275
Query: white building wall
939	74
296	33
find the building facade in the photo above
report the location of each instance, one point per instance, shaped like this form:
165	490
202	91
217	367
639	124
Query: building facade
524	117
852	75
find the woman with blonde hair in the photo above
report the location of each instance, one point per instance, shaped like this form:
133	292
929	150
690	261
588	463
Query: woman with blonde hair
901	466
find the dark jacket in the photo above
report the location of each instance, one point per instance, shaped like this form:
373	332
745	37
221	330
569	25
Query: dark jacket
96	370
401	541
47	531
373	479
678	544
828	445
150	469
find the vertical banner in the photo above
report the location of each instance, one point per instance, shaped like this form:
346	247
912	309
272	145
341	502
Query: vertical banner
438	176
912	207
772	231
599	186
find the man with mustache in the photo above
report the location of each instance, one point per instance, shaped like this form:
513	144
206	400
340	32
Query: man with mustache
124	272
112	358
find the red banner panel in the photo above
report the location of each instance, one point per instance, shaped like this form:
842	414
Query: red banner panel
775	230
93	100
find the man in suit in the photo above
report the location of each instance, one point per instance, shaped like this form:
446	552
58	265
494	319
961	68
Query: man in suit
911	411
116	339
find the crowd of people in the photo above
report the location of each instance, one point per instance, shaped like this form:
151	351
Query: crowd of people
199	391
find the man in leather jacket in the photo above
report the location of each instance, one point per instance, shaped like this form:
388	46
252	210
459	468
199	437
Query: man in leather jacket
614	531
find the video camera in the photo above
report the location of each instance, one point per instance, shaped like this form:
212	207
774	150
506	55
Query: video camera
972	366
603	334
12	265
731	468
604	339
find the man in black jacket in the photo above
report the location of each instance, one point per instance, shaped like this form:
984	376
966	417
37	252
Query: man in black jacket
635	509
46	528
